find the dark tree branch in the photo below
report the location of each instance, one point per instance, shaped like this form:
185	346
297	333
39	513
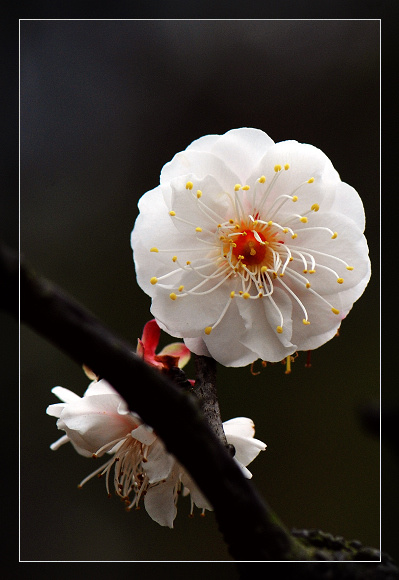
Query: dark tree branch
205	391
250	529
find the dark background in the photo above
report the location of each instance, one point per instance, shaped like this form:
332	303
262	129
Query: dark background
104	105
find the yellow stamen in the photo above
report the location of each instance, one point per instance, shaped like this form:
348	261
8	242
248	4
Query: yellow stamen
189	185
199	193
154	250
245	187
154	280
172	296
315	207
198	229
286	166
245	295
277	168
303	219
334	235
279	329
340	280
305	321
181	288
294	198
237	186
335	310
262	179
208	330
311	180
172	213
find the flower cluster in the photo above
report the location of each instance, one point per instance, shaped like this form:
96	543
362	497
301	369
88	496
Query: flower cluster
250	249
139	467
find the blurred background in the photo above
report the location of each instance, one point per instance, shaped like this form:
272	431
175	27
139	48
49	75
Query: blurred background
104	105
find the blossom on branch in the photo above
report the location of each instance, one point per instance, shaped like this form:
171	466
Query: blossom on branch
139	467
250	249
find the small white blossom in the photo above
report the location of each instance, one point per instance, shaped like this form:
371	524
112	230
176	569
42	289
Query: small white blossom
139	466
249	248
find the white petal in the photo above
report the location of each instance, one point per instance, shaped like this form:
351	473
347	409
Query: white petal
94	421
65	394
159	462
144	434
241	426
196	495
56	409
159	502
101	387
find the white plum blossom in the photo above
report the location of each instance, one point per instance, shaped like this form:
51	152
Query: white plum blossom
138	467
250	249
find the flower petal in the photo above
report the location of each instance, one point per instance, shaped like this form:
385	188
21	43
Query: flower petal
159	502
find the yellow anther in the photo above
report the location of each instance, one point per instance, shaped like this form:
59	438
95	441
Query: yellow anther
174	259
245	295
233	245
279	329
263	269
237	186
270	223
231	221
154	280
304	271
340	280
172	213
241	292
232	294
154	250
181	288
260	295
285	231
172	296
281	275
199	193
315	207
262	179
277	168
208	330
252	252
311	180
305	321
334	310
303	219
349	267
240	257
245	187
294	236
307	285
286	166
236	227
188	262
198	229
294	198
334	235
189	185
312	271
